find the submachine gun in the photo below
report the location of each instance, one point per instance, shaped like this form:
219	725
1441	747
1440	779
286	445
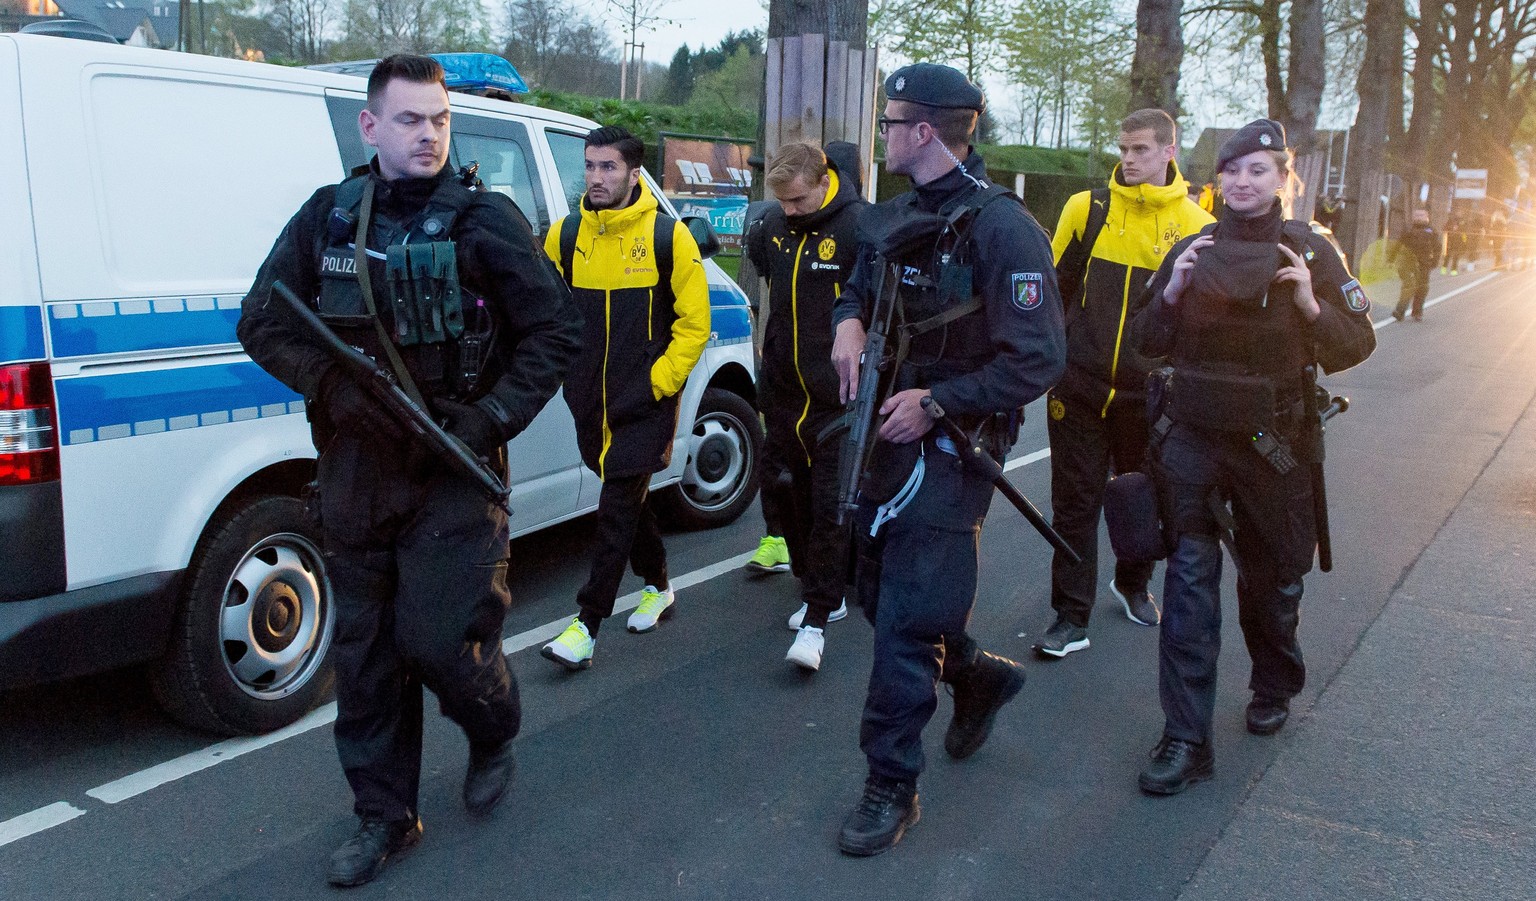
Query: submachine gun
885	346
386	391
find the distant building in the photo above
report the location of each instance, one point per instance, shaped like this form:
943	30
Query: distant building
137	23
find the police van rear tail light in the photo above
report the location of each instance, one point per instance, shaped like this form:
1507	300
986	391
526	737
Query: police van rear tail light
29	451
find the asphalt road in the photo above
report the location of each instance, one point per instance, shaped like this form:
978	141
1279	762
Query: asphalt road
694	763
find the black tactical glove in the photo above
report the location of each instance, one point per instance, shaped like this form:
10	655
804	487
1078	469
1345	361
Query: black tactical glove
471	425
353	410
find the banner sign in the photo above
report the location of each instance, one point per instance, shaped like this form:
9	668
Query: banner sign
709	178
1471	184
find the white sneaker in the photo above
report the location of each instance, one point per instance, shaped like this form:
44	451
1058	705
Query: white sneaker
573	648
655	605
797	619
806	651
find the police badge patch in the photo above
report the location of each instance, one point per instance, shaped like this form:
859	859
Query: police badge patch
1028	288
1354	296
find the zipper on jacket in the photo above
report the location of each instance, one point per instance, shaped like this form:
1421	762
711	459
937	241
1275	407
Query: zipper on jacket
602	458
794	317
1114	361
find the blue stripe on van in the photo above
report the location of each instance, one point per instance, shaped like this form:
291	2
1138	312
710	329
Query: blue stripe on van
101	408
21	334
101	327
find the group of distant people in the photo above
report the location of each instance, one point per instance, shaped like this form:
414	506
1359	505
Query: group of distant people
1169	344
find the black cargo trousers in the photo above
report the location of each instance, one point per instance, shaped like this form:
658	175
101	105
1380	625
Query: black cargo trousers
417	561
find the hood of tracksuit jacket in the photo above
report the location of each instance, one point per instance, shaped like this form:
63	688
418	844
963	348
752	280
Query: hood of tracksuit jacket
1101	367
797	347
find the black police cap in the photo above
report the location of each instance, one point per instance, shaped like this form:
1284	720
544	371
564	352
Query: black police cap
934	85
1260	134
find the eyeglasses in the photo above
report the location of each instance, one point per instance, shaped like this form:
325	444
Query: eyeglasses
884	124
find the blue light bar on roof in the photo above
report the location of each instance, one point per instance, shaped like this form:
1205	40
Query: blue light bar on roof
480	71
467	72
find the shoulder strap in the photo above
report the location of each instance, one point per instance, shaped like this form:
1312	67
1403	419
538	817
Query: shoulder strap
661	241
1098	214
360	257
1297	234
569	227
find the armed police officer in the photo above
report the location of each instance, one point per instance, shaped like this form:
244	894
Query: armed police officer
442	284
1245	313
806	248
982	331
1108	243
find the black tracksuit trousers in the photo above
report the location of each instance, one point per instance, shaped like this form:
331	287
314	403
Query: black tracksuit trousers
627	532
1086	449
806	505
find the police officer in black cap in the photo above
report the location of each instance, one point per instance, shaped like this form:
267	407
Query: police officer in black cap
986	337
482	332
1245	312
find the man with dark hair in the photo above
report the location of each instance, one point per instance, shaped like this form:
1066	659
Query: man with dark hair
638	281
805	247
1108	243
972	272
416	556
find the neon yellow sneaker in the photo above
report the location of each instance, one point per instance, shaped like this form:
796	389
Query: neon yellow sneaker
655	605
573	648
772	556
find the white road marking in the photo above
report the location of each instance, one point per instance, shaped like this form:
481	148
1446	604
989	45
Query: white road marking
38	820
187	764
1031	457
1446	296
135	784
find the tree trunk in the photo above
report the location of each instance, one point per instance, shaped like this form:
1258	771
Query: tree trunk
1306	74
1269	47
1384	21
839	20
1159	54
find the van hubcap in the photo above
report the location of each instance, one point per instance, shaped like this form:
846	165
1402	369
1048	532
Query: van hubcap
276	622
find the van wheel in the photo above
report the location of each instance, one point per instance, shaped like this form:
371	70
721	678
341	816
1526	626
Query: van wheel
720	477
248	650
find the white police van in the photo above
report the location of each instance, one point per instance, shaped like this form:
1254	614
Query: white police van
149	471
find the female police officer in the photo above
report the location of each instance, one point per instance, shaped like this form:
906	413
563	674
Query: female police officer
1244	312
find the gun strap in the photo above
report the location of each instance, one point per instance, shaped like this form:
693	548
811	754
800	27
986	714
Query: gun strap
365	280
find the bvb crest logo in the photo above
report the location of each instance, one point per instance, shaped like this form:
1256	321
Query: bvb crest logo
826	249
638	253
1058	410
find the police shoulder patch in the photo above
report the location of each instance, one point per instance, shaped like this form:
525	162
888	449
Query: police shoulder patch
1028	289
1354	296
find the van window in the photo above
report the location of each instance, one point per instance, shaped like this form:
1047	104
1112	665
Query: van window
570	153
502	150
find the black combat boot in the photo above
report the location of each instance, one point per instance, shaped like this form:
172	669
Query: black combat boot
362	856
1177	764
981	690
487	777
1267	715
883	814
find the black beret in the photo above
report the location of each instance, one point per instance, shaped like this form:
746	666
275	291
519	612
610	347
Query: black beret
1260	134
934	85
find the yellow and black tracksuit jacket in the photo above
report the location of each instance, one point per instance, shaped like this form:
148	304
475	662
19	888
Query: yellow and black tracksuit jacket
640	339
1099	285
806	260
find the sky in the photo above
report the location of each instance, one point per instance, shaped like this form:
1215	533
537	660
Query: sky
698	23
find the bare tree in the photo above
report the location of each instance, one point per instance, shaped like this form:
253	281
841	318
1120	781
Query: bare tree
635	16
304	26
